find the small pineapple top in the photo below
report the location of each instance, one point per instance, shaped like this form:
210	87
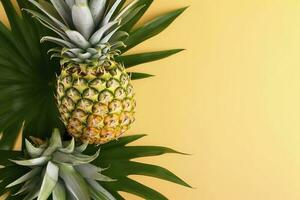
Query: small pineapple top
90	30
59	169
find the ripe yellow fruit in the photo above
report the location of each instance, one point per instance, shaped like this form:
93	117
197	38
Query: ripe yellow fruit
96	103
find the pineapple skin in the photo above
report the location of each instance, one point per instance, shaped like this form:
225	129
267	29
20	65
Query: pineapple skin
96	102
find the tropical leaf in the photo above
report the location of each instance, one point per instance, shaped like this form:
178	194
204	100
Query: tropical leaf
132	152
118	153
119	7
151	28
137	76
113	155
137	59
136	168
22	32
136	188
28	78
122	142
129	25
10	172
6	155
28	75
27	94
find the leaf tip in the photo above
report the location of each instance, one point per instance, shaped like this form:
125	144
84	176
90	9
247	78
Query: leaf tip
179	50
182	153
185	8
181	10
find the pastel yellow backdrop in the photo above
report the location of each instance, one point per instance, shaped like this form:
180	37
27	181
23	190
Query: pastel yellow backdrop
231	100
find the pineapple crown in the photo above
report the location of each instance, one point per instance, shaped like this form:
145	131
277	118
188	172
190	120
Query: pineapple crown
59	168
90	30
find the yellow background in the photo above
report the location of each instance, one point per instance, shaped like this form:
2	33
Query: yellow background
231	100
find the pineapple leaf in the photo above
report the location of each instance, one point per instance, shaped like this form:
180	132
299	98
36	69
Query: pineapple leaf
130	24
59	192
33	194
63	10
114	192
32	162
113	155
74	182
69	148
25	177
137	59
47	23
98	191
151	28
137	76
28	185
42	7
119	7
49	181
33	151
97	8
8	175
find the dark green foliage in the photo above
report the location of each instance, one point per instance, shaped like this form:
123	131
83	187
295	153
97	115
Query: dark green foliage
9	174
27	88
27	82
117	156
151	28
136	76
137	59
129	26
117	153
6	155
28	76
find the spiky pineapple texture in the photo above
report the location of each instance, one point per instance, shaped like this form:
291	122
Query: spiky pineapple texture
89	30
60	169
96	106
95	97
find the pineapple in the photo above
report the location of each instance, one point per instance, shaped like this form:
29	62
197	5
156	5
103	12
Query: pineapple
60	169
95	96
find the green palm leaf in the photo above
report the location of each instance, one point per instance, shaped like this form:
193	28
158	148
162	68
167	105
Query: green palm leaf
118	153
123	141
27	94
136	168
10	172
28	78
137	76
6	155
136	188
22	32
137	59
151	28
129	26
28	75
113	155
